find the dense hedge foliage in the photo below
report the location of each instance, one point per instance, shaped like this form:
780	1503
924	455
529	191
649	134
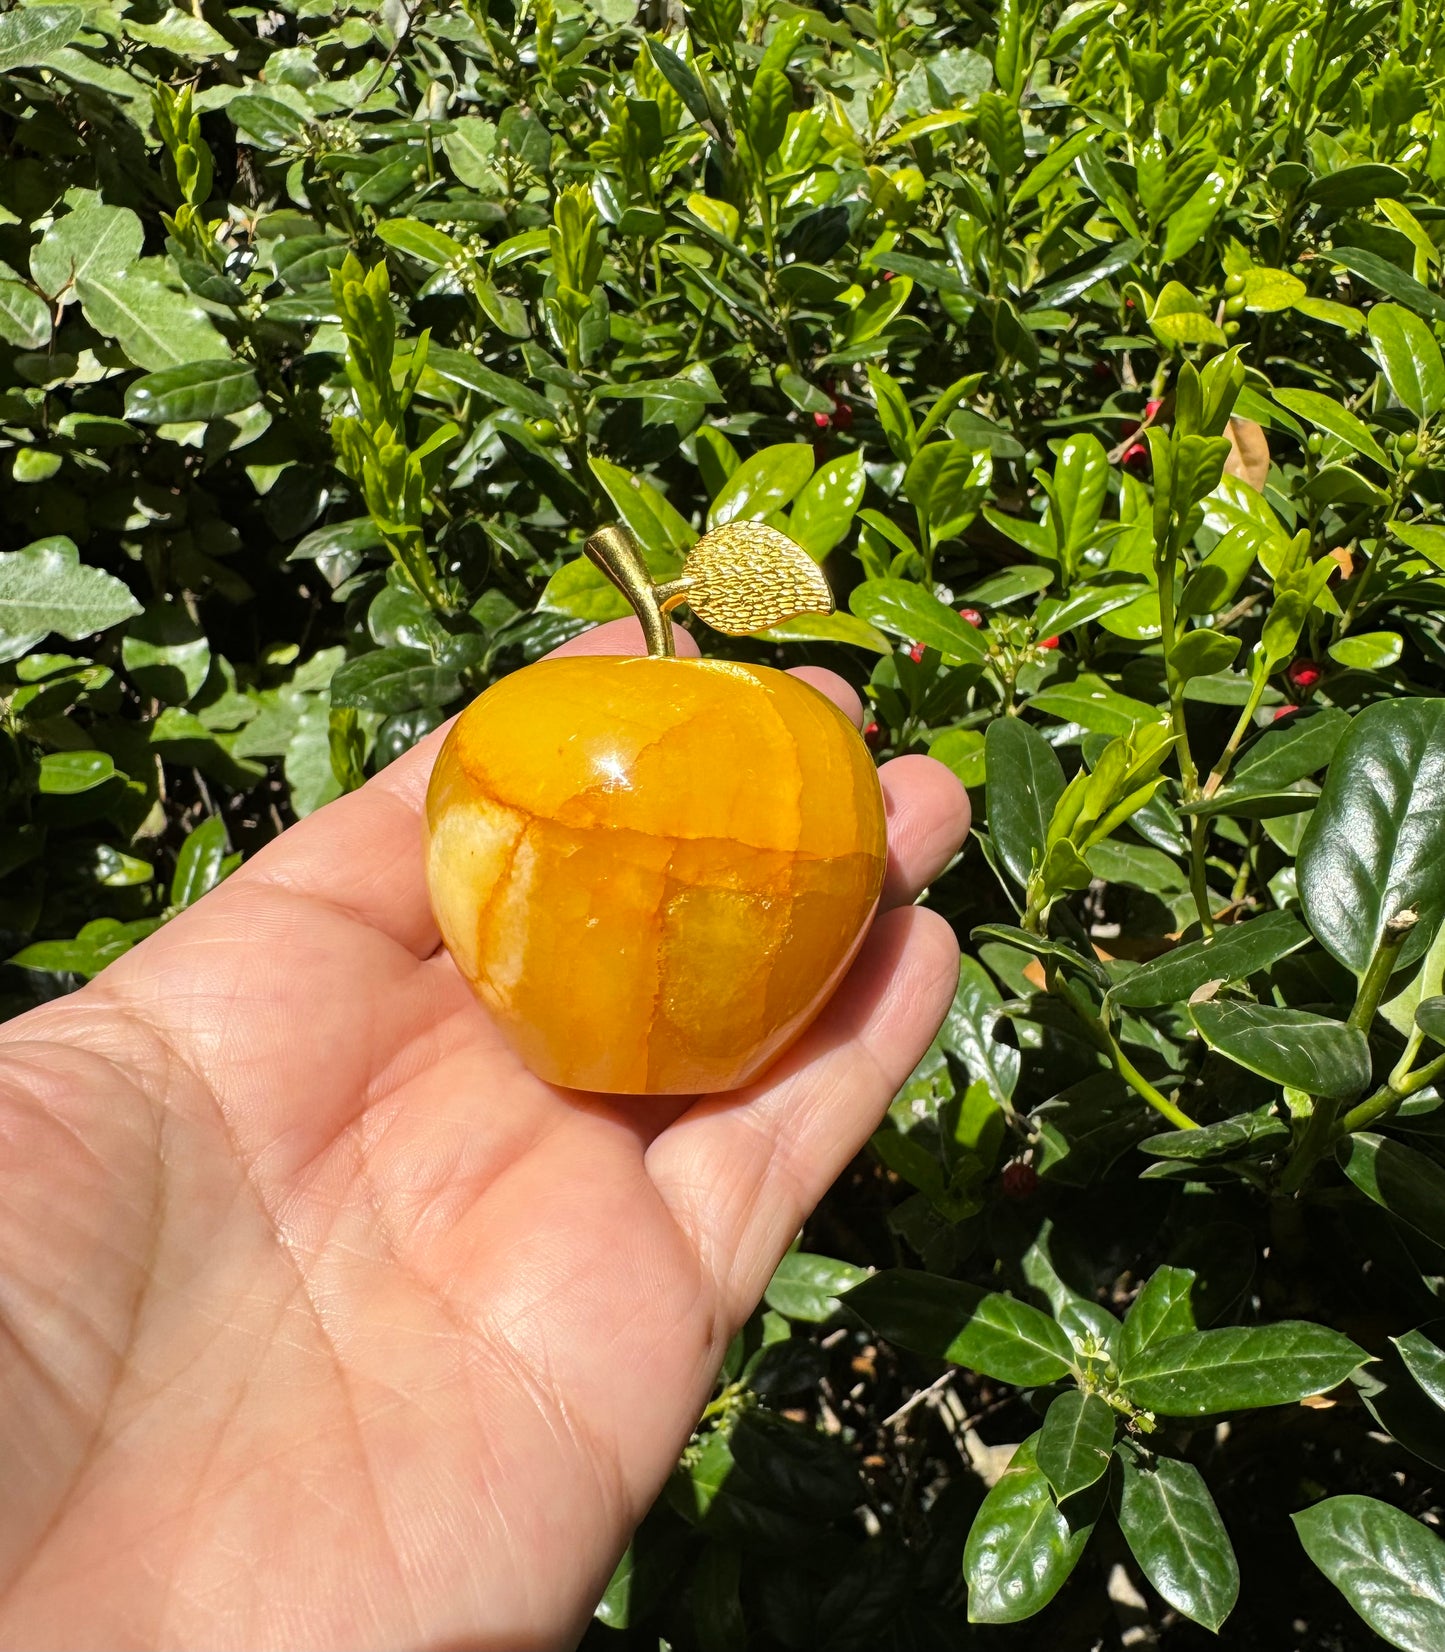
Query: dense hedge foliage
1095	351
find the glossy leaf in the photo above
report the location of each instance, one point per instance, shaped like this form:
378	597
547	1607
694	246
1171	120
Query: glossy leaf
1232	954
1026	781
1162	1309
1423	1356
948	1319
1074	1444
46	588
63	773
1239	1368
1403	1180
1021	1547
767	482
807	1287
909	611
1371	848
184	395
1174	1532
1410	358
1389	1567
1326	414
200	863
31	34
1307	1052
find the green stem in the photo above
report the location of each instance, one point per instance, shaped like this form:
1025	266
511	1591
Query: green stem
1105	1042
1389	1096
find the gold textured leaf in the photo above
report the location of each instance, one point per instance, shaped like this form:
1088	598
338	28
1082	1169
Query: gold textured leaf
746	576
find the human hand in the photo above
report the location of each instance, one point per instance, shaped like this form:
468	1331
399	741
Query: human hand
324	1322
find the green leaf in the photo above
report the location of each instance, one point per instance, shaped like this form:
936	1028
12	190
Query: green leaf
1226	1139
99	943
1174	1532
1326	414
63	773
181	34
1021	1547
1424	1359
93	240
1074	1444
1239	1368
200	866
1095	705
1054	165
908	610
201	390
1368	650
392	680
266	122
30	34
1400	1179
962	750
1026	781
807	1287
824	510
1162	1309
166	654
1268	290
24	315
1430	1017
769	105
1291	1047
1371	849
424	242
843	628
1356	186
1389	1567
894	414
1233	954
45	588
1389	278
155	326
463	369
946	483
767	482
947	1319
663	534
581	589
1410	357
1002	133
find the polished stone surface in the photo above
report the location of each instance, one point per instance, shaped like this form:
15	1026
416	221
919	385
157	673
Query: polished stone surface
653	872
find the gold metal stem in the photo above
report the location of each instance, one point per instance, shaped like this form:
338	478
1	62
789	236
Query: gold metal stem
616	553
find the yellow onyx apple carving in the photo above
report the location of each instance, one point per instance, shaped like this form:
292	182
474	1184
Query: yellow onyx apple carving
654	872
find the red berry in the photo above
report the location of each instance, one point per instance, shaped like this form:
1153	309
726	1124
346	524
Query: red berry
1303	674
1282	711
973	616
1135	456
1019	1179
1049	642
822	420
916	652
888	275
1128	303
872	736
1152	406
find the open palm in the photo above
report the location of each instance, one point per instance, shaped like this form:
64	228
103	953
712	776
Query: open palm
322	1322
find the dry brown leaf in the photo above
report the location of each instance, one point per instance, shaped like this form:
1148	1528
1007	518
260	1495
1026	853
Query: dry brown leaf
1248	453
1342	555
